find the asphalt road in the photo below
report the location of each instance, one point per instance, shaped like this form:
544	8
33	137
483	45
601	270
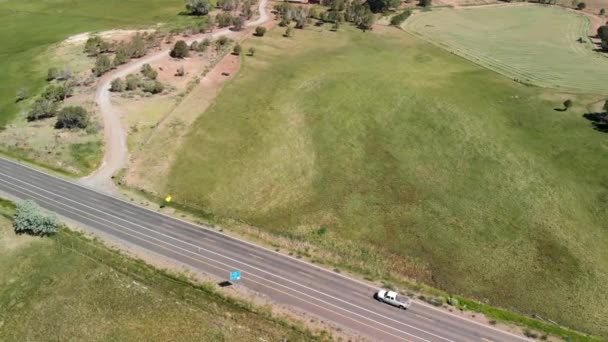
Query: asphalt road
347	302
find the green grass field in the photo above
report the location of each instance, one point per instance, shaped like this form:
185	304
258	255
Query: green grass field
533	44
29	26
391	152
70	288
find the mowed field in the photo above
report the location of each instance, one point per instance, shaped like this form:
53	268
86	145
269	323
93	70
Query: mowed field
533	44
69	288
395	154
29	26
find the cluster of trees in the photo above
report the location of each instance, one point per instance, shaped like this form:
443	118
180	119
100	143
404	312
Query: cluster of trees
123	52
30	219
48	105
148	84
357	12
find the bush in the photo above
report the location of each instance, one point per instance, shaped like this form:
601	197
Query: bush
52	74
102	65
251	51
568	104
148	71
581	6
224	19
238	22
602	11
123	55
424	3
72	117
21	95
180	50
288	32
194	46
206	42
95	45
132	82
57	92
153	87
118	85
260	31
180	71
42	109
29	219
237	49
197	7
400	18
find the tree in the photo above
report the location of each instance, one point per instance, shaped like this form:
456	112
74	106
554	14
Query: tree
567	104
238	22
118	85
251	51
57	92
260	31
288	32
197	7
52	74
224	19
132	82
602	32
382	5
605	107
102	65
335	27
137	47
42	109
29	219
237	49
122	55
95	45
153	87
581	6
367	21
400	18
424	3
72	117
180	50
602	11
148	71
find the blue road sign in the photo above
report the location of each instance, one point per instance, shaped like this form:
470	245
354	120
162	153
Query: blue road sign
236	275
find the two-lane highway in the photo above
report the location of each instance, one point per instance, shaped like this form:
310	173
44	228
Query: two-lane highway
328	295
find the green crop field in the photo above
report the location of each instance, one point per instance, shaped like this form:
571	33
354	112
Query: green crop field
393	153
533	44
29	26
68	288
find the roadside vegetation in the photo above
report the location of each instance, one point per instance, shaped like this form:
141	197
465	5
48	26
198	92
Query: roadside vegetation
434	168
68	286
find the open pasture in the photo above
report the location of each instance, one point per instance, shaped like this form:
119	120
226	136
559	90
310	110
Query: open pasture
532	44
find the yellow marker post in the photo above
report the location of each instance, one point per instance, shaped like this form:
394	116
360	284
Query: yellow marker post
168	199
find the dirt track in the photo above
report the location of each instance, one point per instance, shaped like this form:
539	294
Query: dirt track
116	154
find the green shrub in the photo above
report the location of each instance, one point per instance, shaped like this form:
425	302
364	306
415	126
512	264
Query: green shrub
118	85
57	92
237	49
102	65
148	71
153	87
41	109
29	219
132	82
401	17
72	117
52	74
180	50
260	31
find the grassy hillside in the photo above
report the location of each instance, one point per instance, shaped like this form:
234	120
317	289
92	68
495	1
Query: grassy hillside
29	26
69	288
390	151
533	44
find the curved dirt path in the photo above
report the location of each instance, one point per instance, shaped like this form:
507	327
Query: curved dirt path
116	154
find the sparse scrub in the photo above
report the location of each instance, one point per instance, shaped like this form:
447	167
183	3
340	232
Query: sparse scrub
153	87
41	109
132	82
117	85
103	64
